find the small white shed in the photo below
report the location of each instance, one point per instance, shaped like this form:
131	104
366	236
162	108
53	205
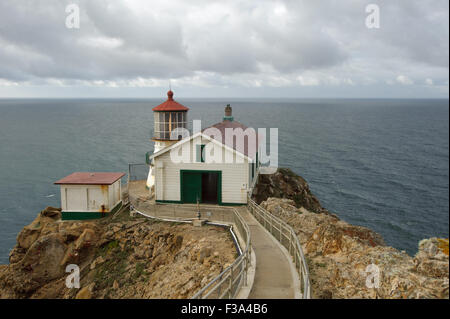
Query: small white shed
89	195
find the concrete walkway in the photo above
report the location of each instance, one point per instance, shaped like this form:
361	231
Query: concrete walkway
274	278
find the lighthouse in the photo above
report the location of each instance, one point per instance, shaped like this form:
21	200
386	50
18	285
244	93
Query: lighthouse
170	120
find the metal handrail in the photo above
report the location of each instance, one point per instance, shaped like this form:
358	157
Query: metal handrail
229	281
288	238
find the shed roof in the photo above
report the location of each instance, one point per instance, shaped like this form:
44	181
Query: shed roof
170	105
91	178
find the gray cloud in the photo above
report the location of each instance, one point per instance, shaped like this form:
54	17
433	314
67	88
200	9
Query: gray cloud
291	43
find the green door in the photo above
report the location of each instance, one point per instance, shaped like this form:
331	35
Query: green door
191	187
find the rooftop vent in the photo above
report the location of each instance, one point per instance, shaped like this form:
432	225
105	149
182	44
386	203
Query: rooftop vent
228	112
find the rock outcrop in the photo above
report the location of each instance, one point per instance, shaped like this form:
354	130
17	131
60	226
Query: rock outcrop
286	184
124	257
344	259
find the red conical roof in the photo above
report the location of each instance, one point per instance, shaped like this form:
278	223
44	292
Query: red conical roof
170	105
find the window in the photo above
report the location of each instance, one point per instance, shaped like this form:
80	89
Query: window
200	153
166	122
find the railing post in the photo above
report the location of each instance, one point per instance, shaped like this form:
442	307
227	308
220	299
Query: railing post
271	224
300	262
265	220
281	234
295	257
219	289
231	283
249	252
290	243
246	269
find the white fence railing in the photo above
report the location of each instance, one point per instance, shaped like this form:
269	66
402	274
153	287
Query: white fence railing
288	238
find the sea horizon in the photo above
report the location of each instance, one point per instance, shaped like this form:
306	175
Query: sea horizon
221	98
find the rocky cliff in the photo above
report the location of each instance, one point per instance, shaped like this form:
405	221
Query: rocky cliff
134	257
120	257
341	256
286	184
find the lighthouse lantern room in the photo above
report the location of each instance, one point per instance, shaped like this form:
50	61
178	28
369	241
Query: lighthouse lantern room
170	125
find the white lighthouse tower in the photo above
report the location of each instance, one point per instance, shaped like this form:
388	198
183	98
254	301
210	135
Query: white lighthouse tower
168	116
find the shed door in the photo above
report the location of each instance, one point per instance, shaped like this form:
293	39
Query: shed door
96	200
192	187
76	199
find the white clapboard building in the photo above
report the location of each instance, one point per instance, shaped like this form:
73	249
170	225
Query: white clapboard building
210	166
89	195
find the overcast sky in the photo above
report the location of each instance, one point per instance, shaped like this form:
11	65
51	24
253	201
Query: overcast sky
292	48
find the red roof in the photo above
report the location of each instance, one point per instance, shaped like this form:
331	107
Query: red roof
246	149
170	105
88	178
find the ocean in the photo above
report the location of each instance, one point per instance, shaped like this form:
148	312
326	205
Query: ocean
383	164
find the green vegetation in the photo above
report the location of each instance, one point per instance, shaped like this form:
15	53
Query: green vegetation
140	271
114	268
105	249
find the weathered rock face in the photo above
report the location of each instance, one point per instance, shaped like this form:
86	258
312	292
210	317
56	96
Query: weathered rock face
286	184
30	233
43	258
341	256
432	258
122	258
